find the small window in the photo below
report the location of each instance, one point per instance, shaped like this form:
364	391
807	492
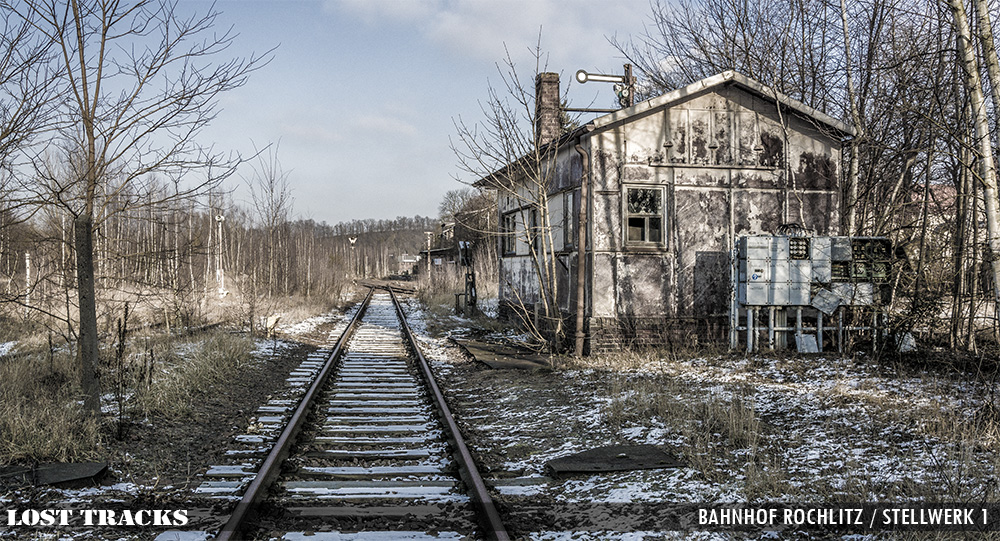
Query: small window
508	229
570	214
534	232
644	216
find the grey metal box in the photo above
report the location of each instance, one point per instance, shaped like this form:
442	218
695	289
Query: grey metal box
820	249
840	249
826	301
855	294
822	271
799	270
843	290
865	293
779	270
752	294
798	294
755	270
779	248
778	293
806	343
754	247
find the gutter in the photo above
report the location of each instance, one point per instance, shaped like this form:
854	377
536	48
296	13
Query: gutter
581	246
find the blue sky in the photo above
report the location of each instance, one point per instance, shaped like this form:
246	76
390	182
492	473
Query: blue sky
361	95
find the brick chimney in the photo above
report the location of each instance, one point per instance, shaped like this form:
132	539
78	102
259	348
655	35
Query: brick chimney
547	108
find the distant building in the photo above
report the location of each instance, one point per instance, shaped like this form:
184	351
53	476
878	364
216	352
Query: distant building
671	182
443	249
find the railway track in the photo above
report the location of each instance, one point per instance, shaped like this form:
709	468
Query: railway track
371	451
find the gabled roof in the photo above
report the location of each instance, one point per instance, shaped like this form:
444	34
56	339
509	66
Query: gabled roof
721	79
729	77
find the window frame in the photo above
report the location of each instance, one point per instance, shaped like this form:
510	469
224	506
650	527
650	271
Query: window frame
571	211
628	243
508	233
533	236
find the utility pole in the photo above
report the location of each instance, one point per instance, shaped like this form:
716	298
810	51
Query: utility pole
220	273
354	258
429	234
27	283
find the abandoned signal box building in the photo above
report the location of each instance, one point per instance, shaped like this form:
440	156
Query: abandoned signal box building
668	185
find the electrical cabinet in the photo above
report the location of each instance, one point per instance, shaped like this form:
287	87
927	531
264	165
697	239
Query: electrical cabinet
801	271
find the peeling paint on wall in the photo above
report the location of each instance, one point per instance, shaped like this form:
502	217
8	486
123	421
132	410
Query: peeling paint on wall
815	171
720	159
773	149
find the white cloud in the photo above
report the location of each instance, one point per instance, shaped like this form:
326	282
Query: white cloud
480	29
309	133
372	11
383	125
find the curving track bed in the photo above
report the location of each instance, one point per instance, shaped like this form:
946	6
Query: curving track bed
372	452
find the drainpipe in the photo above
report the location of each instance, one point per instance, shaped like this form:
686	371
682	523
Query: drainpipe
581	245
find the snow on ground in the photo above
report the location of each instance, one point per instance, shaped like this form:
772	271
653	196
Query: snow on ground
6	347
269	347
752	429
310	324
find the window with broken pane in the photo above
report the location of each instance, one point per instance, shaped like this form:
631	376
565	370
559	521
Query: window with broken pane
644	219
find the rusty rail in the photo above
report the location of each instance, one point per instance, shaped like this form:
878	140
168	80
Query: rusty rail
271	467
488	514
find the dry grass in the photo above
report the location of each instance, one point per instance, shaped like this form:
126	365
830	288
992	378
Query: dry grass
724	437
178	378
40	416
721	430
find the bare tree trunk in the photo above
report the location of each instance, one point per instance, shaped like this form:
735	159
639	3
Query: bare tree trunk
993	72
981	122
855	159
962	198
88	350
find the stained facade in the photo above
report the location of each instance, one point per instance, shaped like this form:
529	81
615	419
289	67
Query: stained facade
671	182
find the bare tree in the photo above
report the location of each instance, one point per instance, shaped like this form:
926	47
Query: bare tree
272	202
26	92
140	81
983	141
503	152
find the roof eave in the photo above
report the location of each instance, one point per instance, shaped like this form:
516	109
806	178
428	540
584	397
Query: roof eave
715	81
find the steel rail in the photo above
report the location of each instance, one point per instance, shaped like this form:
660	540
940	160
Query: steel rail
488	513
271	467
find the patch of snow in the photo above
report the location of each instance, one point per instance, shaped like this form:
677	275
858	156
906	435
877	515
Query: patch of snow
310	324
175	535
7	347
269	348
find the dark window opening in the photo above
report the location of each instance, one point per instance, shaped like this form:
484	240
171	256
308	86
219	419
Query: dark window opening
508	229
644	220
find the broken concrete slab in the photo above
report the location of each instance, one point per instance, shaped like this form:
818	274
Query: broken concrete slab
62	475
501	356
613	458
